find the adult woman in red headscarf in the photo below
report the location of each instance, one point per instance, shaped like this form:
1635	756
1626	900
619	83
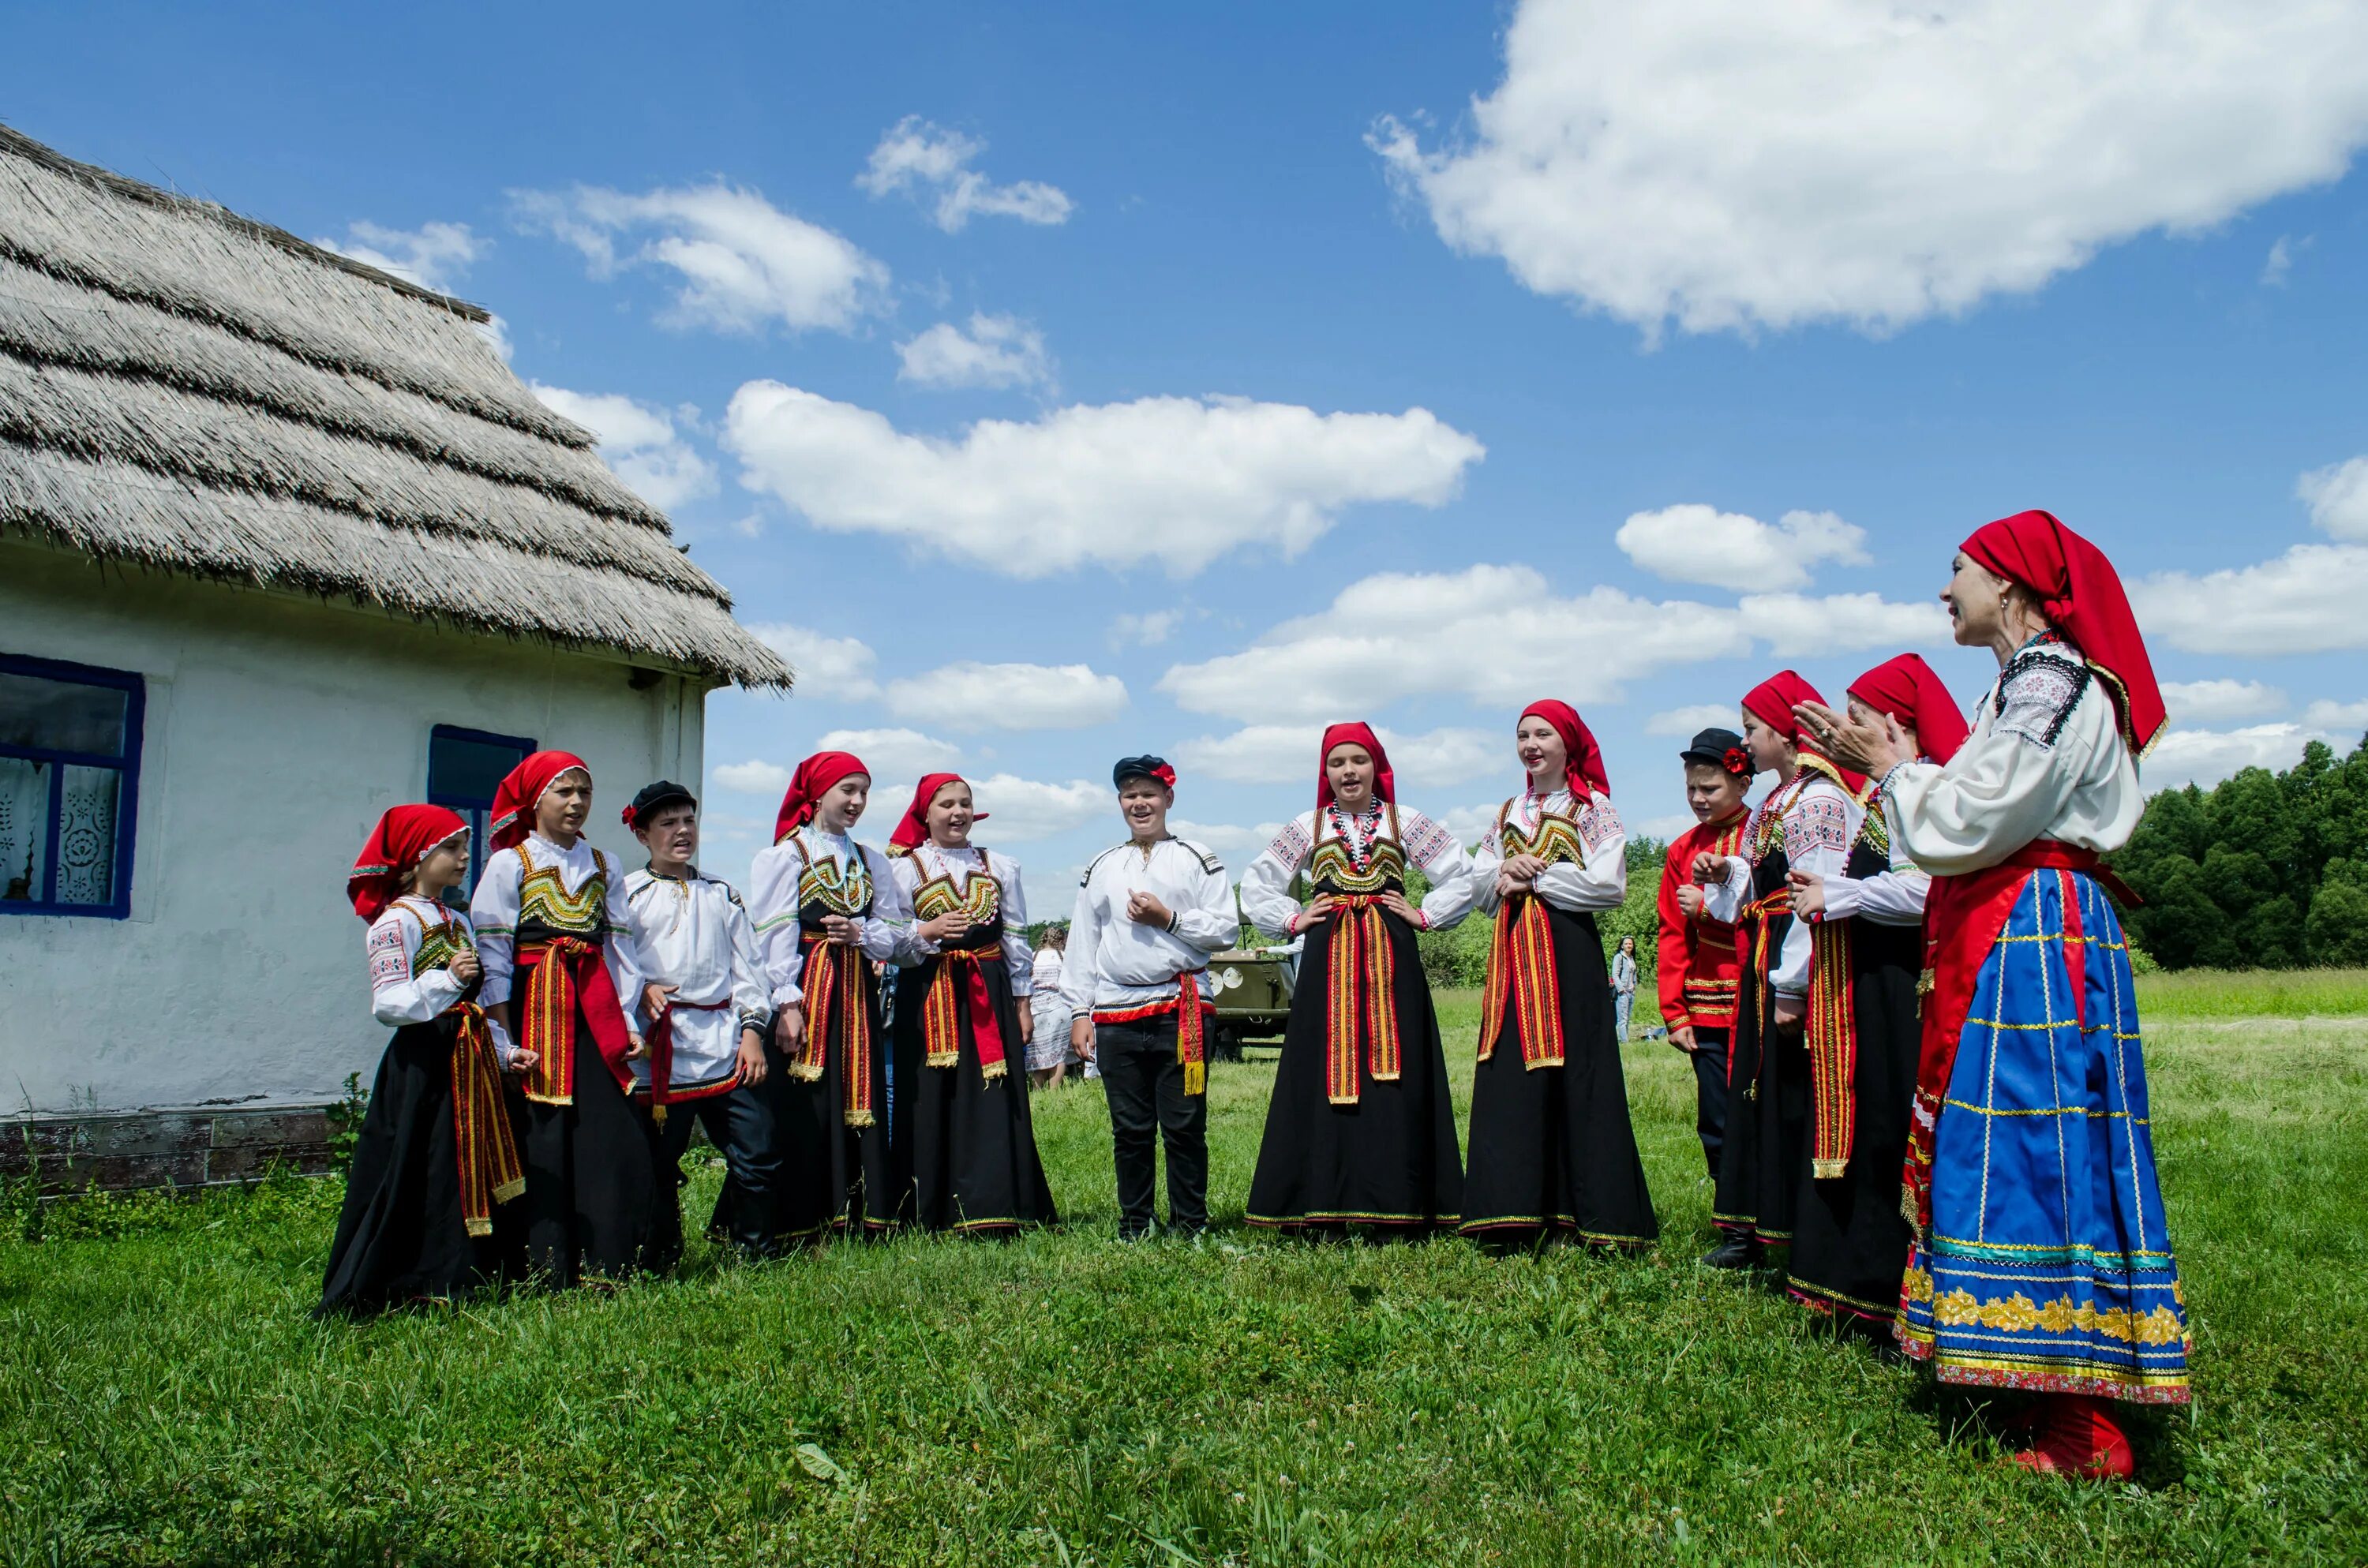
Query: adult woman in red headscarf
963	1023
1866	926
827	910
1552	1152
2042	1258
434	1153
1807	822
1360	1127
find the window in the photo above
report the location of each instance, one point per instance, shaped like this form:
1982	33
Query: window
464	768
69	786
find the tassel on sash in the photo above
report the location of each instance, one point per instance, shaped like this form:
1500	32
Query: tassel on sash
567	971
487	1152
1831	1035
1362	998
940	1007
1523	985
1192	1012
834	1001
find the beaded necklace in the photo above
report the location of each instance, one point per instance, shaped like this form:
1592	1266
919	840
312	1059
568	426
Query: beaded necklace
1368	823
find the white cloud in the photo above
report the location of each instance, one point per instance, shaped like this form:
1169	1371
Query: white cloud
2338	498
1694	543
973	696
1796	626
1176	480
2206	756
2279	262
1026	811
835	667
2217	701
997	351
1688	723
1148	629
896	757
638	441
2345	717
1285	754
433	255
753	777
2305	601
1726	164
1237	844
744	264
928	160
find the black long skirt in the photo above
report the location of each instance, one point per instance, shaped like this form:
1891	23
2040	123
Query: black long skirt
400	1236
1850	1240
1388	1161
1552	1149
971	1145
592	1204
1767	1097
834	1178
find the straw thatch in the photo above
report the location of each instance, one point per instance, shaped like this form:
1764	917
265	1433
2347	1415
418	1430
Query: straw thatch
187	390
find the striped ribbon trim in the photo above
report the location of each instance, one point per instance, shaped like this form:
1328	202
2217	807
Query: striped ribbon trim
547	1027
482	1141
835	1002
941	1007
1192	1012
1523	985
1360	998
1831	1035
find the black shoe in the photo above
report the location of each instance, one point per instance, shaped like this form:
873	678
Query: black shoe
1734	1252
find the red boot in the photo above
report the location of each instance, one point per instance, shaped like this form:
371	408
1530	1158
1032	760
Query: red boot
2075	1436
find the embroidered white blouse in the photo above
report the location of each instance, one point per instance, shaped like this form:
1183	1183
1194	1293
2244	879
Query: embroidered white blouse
493	908
928	862
886	935
1820	821
397	996
1265	881
1600	881
698	938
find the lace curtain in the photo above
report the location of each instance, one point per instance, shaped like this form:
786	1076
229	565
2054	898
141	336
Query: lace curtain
24	827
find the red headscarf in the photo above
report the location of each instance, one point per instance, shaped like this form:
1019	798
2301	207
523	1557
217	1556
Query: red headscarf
814	778
402	839
1907	688
2082	595
1582	767
1772	703
912	830
522	792
1385	786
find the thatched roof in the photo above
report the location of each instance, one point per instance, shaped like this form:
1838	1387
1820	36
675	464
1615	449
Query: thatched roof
187	390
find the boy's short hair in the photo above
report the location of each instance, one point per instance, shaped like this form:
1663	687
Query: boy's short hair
655	798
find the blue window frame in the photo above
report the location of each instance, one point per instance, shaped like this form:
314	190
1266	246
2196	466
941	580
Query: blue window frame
69	786
464	768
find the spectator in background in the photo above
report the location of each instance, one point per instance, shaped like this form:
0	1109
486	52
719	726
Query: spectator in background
1048	1050
1623	985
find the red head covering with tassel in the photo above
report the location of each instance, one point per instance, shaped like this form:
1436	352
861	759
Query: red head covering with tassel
402	839
813	780
2083	598
521	791
913	828
1582	765
1907	688
1385	786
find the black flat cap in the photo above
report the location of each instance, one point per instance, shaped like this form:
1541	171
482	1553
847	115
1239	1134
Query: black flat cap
1720	748
655	797
1143	766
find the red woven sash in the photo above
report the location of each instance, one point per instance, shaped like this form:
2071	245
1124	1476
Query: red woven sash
959	984
833	983
1523	985
482	1143
1360	1000
660	1041
1192	1012
1831	1036
562	973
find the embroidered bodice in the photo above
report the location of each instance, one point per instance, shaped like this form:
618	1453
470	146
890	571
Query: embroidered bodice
547	909
979	896
829	885
1363	860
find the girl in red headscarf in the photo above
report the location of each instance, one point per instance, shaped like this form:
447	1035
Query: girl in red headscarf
1553	1154
1807	824
1866	926
827	912
562	974
963	1023
2042	1257
434	1154
1360	1129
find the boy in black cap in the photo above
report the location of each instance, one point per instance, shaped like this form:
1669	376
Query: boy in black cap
705	1054
1149	913
1697	966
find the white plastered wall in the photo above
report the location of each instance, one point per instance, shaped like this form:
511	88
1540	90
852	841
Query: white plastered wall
277	728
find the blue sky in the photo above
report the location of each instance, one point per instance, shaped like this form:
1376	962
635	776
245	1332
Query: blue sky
1233	369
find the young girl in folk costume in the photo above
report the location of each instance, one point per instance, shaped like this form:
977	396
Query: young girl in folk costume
435	1153
1866	926
1360	1129
827	910
563	969
2042	1258
1552	1149
963	1023
1807	822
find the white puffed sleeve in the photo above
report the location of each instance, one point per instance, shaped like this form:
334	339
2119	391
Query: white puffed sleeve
888	934
1820	821
1454	880
1266	880
752	999
1081	962
773	911
629	965
1017	957
397	996
1600	881
1895	897
494	911
1487	863
1208	922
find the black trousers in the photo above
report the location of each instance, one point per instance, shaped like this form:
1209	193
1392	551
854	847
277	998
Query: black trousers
1709	1092
1148	1106
740	1123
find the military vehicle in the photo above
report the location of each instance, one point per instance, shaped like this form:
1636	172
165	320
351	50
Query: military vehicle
1253	995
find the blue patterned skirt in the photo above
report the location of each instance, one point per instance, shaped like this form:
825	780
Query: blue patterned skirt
2049	1263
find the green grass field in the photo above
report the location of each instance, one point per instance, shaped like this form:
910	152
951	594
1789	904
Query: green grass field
164	1398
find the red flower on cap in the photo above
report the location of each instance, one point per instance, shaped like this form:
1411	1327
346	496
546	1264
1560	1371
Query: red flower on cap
1737	761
